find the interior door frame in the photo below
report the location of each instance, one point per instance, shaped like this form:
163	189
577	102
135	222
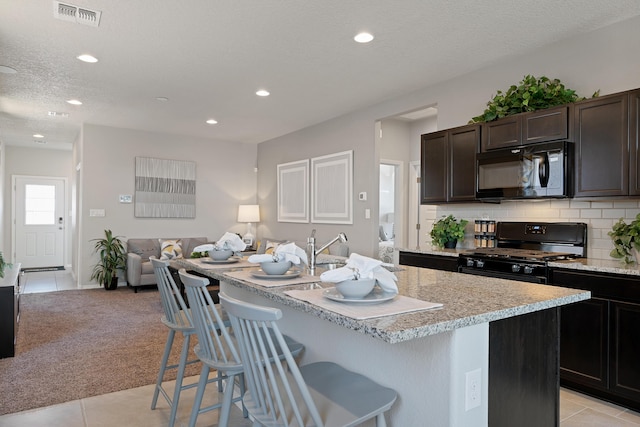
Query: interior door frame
65	231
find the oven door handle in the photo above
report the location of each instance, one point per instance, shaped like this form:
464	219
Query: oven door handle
501	275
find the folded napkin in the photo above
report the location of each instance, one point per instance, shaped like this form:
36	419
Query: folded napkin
230	241
366	268
204	248
284	252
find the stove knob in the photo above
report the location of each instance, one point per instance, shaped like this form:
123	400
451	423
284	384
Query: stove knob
515	268
528	269
470	262
480	263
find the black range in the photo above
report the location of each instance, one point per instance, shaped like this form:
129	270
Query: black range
523	250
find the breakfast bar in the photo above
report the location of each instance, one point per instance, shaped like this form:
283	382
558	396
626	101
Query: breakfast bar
439	360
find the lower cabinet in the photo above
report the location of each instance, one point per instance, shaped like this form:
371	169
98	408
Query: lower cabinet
9	310
435	262
599	338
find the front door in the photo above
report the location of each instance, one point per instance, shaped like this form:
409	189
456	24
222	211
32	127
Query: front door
38	218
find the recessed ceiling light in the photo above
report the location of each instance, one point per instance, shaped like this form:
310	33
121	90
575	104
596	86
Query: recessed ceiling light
7	70
87	58
37	135
262	92
212	122
74	102
363	38
57	114
162	98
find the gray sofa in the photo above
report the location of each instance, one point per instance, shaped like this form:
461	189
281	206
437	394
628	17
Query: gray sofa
139	269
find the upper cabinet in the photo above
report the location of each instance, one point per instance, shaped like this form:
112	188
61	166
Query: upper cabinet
634	142
552	124
602	151
448	165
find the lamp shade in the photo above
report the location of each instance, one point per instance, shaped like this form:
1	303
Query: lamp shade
249	213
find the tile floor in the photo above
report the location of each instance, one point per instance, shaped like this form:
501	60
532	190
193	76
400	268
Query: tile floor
576	410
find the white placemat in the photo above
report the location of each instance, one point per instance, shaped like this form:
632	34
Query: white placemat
247	276
202	263
400	304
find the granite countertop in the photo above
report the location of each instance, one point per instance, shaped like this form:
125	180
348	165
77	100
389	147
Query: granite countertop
613	266
468	300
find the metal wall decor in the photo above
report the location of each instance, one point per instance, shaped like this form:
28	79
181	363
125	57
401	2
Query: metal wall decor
165	188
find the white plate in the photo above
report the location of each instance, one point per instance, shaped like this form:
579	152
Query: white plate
229	260
259	274
376	296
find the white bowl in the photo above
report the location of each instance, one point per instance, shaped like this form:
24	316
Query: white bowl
275	268
220	255
355	289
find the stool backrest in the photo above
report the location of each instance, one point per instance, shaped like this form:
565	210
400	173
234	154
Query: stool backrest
278	392
216	343
175	309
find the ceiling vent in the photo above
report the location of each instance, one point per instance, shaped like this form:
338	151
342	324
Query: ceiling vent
72	13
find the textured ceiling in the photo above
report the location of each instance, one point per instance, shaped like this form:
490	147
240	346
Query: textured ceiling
210	56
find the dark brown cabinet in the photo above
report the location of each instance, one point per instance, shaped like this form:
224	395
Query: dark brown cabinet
552	124
448	165
435	262
599	345
602	146
634	143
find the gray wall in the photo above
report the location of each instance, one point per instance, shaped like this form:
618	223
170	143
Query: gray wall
599	60
225	179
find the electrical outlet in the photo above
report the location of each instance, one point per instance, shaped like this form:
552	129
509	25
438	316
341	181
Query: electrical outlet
473	389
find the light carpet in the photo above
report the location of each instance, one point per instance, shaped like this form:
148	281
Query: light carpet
81	343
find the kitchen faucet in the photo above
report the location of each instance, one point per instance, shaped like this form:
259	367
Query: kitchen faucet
313	252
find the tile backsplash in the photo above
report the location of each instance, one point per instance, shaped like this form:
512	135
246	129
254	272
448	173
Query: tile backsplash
598	215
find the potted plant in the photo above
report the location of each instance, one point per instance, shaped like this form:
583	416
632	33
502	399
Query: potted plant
112	258
447	231
3	265
626	240
530	94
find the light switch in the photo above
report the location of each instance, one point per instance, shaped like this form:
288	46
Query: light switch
367	214
96	212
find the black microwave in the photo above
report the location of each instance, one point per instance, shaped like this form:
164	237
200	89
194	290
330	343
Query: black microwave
526	172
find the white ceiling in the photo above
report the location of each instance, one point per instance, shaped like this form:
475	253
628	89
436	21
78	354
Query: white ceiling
210	56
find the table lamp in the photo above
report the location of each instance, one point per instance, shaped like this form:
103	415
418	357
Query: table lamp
249	214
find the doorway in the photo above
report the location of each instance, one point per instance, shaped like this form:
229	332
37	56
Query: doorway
391	209
38	221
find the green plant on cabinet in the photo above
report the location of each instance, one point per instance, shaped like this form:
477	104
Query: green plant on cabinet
530	94
3	265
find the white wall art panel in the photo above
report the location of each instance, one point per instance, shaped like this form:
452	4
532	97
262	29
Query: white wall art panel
293	191
165	188
332	188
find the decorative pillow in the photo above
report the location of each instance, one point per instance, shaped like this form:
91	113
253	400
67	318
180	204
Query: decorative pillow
382	235
170	249
271	247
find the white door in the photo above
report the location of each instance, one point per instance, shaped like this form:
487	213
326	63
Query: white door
39	221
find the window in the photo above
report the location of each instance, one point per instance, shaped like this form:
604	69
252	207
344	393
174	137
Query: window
40	204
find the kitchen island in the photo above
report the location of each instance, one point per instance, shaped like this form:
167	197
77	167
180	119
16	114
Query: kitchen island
427	356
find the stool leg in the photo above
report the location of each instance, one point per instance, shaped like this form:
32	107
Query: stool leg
179	379
163	367
380	420
197	402
225	407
